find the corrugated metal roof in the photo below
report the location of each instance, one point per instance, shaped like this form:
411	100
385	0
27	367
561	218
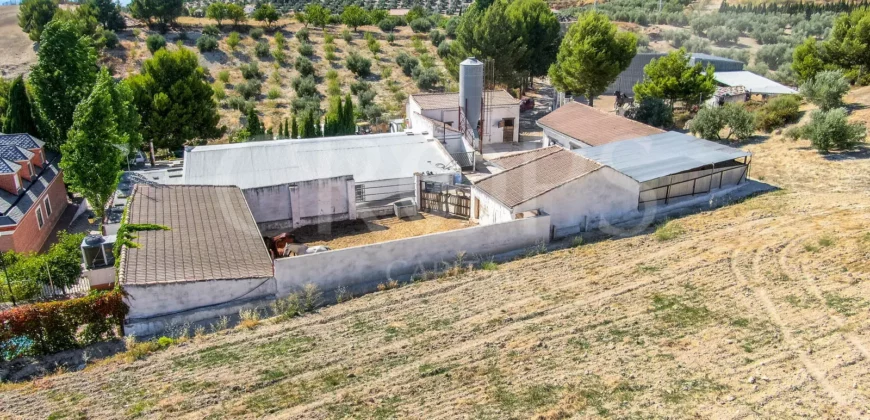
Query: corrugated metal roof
659	155
537	177
451	100
592	126
212	235
368	158
752	82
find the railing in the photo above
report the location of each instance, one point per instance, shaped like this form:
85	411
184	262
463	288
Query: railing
694	182
377	195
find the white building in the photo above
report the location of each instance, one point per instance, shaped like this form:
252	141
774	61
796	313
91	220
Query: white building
382	165
458	119
573	190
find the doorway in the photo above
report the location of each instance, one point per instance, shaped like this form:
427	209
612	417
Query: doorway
508	130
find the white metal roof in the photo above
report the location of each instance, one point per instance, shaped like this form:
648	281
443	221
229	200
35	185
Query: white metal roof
367	157
752	82
658	155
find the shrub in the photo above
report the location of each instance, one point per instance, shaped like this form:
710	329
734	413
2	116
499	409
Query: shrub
219	92
303	35
273	93
333	87
831	130
108	39
256	33
155	42
233	40
206	43
211	30
407	63
249	89
826	90
436	37
251	71
654	112
421	25
426	78
239	103
224	76
331	74
304	66
668	230
311	297
710	122
360	86
279	55
306	49
305	86
444	49
386	72
778	112
358	64
391	38
262	49
62	325
388	24
280	42
346	35
374	46
328	39
676	37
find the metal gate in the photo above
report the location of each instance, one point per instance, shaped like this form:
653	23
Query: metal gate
451	199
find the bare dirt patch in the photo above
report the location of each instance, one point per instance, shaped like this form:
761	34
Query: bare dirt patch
364	232
17	51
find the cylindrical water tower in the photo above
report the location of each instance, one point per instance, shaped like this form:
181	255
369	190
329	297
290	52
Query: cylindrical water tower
471	90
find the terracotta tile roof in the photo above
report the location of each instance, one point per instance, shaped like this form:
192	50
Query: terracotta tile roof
212	236
451	100
516	159
592	126
536	177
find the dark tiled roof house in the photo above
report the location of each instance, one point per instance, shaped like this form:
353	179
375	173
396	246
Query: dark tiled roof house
32	193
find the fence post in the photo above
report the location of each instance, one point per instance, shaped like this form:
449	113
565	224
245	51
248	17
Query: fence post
418	190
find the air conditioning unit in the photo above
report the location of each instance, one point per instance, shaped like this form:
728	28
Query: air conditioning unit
405	208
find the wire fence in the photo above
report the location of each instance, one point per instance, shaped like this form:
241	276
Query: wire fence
30	291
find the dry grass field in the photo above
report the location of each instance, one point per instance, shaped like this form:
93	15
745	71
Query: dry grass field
758	309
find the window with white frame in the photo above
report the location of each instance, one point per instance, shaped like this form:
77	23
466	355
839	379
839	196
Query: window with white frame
39	220
47	204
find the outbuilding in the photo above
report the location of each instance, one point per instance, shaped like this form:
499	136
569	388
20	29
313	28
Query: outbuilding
576	126
670	167
572	189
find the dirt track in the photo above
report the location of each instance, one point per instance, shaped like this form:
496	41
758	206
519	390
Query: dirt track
17	51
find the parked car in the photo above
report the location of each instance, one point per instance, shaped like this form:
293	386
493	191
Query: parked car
137	158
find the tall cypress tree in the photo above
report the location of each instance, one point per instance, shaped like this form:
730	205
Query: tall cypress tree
317	129
19	114
348	115
303	126
294	128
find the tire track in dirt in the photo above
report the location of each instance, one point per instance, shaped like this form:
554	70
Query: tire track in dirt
773	314
799	272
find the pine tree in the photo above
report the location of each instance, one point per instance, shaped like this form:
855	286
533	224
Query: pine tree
19	114
294	128
254	127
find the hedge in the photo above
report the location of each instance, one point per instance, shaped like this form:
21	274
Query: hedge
50	327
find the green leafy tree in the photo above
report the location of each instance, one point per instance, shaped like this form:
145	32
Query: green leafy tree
174	100
831	130
5	86
33	15
654	112
488	33
83	18
672	78
266	13
63	75
848	45
591	56
807	60
64	260
294	127
826	89
91	159
710	121
108	13
217	11
236	13
317	15
354	16
19	113
163	11
540	32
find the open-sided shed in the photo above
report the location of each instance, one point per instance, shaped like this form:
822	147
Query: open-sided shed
672	166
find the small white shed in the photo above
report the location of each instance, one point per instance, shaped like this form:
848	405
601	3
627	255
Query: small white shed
573	190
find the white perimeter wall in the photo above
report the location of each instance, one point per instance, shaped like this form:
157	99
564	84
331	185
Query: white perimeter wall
302	203
493	133
358	266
